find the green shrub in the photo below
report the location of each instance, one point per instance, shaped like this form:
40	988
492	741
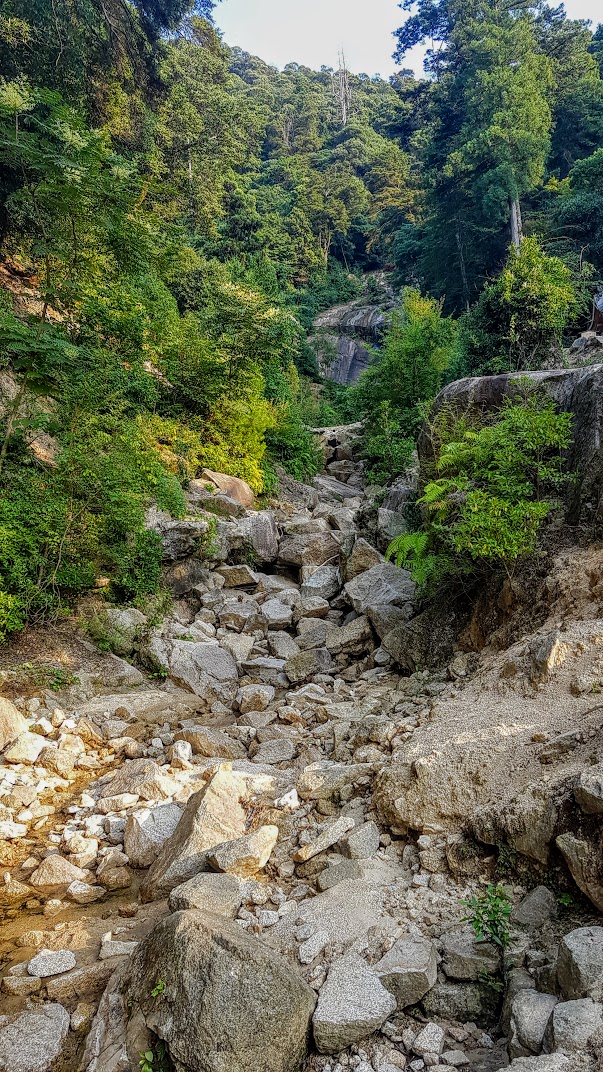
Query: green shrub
489	914
494	486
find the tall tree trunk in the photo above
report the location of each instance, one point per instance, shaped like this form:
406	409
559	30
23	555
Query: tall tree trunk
459	243
516	224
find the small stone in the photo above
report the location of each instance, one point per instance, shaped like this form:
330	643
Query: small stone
313	947
330	835
362	842
455	1058
84	893
429	1040
81	1017
111	947
48	962
409	970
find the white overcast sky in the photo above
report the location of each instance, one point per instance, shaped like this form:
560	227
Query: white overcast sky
312	32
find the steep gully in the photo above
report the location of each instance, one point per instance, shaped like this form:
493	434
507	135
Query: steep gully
256	848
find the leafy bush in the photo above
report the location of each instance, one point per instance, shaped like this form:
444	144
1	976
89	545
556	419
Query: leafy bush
489	914
389	394
519	320
494	486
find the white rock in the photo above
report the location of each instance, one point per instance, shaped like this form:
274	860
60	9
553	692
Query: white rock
48	962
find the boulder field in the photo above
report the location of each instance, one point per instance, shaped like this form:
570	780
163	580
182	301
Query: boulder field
246	841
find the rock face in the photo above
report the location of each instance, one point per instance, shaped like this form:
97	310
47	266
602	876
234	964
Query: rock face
229	1004
342	353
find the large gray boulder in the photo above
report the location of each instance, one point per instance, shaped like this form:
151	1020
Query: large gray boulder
146	831
530	1015
589	790
352	1004
33	1041
580	964
206	669
466	959
229	1003
382	584
574	1023
212	816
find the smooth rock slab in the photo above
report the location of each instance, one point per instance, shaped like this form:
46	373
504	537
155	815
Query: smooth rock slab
409	970
50	962
33	1041
353	1003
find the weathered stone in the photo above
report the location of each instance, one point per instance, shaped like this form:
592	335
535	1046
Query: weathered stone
277	750
56	871
48	962
307	664
259	532
467	959
142	777
526	822
57	760
429	1040
385	617
355	638
205	741
447	1000
537	908
589	790
247	855
408	970
361	842
344	871
530	1014
574	1023
324	582
146	831
362	558
12	723
205	668
220	894
84	893
584	859
580	964
382	584
276	614
352	1004
88	981
254	697
230	1004
240	576
124	625
33	1041
25	749
309	549
330	835
212	816
232	486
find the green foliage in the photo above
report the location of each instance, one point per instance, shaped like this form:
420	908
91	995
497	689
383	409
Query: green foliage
489	914
389	395
494	486
519	320
158	989
157	1059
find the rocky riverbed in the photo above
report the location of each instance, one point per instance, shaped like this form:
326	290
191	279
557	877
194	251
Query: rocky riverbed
243	843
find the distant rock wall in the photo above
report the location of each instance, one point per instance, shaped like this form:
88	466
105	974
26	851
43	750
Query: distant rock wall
343	337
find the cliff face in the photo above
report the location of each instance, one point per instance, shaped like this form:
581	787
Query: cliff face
343	337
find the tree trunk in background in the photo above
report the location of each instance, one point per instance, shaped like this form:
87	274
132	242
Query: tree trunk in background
516	225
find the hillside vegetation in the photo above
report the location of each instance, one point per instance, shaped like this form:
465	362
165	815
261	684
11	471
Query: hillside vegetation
174	213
